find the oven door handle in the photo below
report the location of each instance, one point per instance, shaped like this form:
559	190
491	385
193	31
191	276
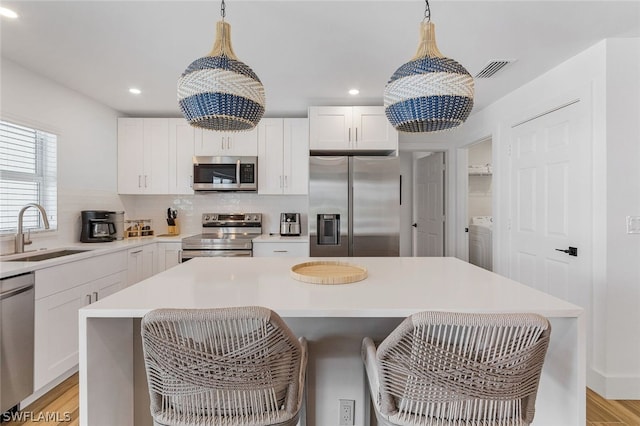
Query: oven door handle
238	172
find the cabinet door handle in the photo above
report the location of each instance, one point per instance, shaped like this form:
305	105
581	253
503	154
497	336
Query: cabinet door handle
281	251
88	297
95	296
349	134
286	183
280	181
228	142
139	181
222	142
356	136
145	181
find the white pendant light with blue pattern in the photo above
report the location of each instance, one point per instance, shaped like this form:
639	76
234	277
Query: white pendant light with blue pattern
431	92
219	92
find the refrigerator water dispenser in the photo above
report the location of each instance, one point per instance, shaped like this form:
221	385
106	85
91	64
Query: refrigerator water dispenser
328	229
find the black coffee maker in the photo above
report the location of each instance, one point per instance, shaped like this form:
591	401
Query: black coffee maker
97	227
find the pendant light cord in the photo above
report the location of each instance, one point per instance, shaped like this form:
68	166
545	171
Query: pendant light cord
427	11
223	13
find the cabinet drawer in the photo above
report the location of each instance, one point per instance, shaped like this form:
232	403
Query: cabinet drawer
63	277
281	249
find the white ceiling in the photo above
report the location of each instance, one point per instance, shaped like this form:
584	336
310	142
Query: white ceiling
305	52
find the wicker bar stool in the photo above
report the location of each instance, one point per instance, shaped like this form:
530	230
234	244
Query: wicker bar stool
441	368
229	366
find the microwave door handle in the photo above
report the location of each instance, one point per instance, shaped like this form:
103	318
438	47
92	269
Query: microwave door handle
238	172
112	229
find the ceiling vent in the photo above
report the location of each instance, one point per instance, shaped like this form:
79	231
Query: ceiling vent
493	67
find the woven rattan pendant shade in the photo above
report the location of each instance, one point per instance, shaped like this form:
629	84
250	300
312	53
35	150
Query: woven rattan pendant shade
219	92
429	93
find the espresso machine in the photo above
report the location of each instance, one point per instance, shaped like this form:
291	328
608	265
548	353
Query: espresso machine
97	226
290	224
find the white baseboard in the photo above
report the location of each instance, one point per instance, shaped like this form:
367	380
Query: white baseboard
613	387
43	390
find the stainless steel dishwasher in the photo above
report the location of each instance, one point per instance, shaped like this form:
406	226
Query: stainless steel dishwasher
17	304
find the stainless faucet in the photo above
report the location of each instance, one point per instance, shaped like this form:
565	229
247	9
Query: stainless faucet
20	240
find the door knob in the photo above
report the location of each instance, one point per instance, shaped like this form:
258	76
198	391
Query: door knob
571	251
415	225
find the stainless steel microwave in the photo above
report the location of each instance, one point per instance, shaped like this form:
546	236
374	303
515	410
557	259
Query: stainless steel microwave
225	173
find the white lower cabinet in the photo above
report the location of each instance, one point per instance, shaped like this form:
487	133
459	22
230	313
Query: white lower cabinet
281	249
141	263
168	255
60	292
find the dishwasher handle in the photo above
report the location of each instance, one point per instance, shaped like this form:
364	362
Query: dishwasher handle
10	293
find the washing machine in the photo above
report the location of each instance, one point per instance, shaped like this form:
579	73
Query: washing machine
480	241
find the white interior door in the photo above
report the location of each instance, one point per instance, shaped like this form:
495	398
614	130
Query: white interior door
429	202
550	203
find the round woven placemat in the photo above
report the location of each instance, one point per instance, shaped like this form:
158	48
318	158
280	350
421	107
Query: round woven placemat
328	272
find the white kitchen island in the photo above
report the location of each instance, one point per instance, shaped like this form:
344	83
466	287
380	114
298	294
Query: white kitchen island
333	318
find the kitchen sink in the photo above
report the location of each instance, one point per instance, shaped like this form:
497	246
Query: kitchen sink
36	257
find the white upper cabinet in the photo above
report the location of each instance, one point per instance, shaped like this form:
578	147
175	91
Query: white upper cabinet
155	156
270	155
212	143
181	143
351	129
296	156
283	156
143	155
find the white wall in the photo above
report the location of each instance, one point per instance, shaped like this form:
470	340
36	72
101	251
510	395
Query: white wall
606	76
87	160
620	363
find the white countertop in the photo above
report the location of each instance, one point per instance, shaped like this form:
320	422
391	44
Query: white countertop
8	269
395	287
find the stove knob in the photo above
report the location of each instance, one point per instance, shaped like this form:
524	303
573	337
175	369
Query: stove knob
206	218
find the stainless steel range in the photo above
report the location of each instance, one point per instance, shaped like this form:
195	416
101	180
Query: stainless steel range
223	235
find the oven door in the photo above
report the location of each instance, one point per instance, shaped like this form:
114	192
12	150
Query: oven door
225	173
186	255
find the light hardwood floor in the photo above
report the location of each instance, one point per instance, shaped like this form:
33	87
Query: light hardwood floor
62	403
607	412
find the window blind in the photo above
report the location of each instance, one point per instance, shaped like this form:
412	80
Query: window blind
28	174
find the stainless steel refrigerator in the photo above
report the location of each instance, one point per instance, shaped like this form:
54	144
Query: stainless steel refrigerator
354	206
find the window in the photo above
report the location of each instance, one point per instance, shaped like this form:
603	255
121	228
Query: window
27	175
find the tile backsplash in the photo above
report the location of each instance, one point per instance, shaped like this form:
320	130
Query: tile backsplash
70	204
191	207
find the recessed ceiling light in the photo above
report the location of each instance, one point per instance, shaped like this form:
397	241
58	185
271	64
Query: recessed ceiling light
354	91
8	13
135	91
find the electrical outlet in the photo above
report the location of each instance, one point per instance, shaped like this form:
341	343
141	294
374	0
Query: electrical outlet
633	224
347	407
